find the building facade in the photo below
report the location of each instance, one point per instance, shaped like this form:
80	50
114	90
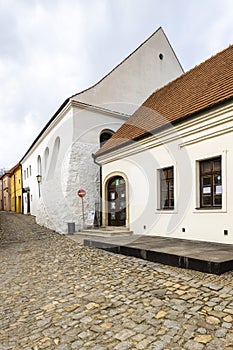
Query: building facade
1	194
16	189
61	156
6	191
167	170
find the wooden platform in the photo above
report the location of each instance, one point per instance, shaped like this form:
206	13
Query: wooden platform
202	256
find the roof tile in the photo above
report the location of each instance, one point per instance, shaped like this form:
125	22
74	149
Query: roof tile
202	87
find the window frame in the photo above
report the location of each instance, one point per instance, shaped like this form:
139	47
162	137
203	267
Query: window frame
210	174
170	181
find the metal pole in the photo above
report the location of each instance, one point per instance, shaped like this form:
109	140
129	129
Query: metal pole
83	213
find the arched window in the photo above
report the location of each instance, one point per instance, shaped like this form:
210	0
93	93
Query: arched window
54	158
105	136
46	156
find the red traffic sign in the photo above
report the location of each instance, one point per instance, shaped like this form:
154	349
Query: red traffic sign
81	193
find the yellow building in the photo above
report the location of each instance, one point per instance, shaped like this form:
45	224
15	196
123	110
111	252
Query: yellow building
16	189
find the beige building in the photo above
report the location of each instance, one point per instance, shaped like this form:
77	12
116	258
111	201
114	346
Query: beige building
6	191
167	171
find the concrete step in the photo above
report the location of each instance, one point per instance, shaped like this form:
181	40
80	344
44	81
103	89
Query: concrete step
106	232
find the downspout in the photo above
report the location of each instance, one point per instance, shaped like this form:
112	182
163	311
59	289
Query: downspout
100	170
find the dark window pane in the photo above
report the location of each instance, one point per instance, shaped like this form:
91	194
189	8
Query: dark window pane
206	200
166	188
205	166
170	173
218	200
217	165
206	181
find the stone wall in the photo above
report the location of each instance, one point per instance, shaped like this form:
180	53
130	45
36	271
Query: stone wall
59	203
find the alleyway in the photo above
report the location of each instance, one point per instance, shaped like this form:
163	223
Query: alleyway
57	294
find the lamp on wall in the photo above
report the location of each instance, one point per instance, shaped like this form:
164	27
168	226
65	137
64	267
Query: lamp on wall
39	178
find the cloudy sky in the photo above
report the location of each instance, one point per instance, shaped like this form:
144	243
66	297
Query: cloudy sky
51	49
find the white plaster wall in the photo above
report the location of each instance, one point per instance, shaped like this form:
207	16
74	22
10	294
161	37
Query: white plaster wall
141	171
50	187
78	169
75	169
30	182
123	90
134	80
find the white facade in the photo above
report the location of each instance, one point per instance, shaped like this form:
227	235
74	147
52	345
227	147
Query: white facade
205	137
149	67
62	153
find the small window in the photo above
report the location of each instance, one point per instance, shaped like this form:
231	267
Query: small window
211	183
27	172
105	136
167	188
30	170
24	174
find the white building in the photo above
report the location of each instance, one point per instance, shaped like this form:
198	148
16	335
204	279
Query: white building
62	153
168	170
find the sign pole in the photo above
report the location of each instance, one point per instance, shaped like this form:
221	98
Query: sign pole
82	193
83	213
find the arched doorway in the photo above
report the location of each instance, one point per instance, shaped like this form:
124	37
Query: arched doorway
116	196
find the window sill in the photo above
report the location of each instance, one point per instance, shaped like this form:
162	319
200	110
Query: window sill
210	210
166	211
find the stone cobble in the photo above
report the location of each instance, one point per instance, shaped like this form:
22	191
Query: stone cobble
57	294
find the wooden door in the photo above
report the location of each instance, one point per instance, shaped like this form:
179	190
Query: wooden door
116	202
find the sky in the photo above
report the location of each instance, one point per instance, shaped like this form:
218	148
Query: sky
52	49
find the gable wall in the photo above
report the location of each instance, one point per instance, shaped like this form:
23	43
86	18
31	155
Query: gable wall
136	78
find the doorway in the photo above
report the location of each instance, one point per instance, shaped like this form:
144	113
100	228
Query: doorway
116	195
28	203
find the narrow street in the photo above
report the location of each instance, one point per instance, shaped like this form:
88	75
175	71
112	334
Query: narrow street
57	294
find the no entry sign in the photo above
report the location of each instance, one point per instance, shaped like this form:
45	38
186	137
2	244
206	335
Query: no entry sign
81	193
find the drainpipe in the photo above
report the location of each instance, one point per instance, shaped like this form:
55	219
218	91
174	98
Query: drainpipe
100	209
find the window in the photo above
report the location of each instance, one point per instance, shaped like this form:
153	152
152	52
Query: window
105	136
27	172
211	183
30	170
24	174
167	188
46	156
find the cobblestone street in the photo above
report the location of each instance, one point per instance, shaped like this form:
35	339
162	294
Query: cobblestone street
57	294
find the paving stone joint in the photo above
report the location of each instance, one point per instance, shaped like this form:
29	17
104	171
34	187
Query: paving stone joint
57	294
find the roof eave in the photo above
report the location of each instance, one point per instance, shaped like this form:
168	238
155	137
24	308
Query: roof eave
161	128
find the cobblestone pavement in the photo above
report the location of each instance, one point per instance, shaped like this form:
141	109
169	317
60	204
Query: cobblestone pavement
57	294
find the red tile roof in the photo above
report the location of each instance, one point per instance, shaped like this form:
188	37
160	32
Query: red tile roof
203	87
